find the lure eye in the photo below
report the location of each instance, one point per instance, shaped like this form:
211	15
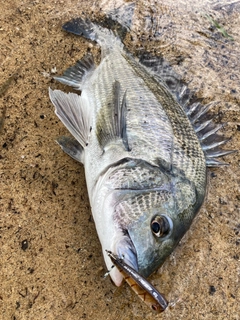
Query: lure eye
160	226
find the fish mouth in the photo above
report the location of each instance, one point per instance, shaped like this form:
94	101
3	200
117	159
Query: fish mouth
126	251
123	247
141	286
125	260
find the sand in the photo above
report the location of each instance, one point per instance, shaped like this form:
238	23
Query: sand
51	263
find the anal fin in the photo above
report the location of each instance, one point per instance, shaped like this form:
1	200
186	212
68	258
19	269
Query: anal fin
111	124
73	113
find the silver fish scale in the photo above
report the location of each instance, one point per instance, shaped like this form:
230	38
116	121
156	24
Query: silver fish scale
157	127
141	155
130	210
187	153
157	202
136	177
149	131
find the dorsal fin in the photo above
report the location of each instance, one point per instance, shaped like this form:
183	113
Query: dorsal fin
165	74
197	113
207	132
75	76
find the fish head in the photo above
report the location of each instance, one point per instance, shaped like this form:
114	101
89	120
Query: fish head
152	221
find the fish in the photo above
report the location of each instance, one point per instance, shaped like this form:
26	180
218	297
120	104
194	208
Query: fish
145	144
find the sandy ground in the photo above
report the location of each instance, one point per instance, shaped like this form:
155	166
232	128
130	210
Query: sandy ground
51	264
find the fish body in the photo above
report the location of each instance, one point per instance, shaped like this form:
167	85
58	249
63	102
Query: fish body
145	154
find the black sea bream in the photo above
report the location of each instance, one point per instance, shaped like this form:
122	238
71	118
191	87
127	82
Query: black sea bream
145	151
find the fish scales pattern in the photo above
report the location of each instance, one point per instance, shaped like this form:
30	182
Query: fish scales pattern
145	149
187	152
145	122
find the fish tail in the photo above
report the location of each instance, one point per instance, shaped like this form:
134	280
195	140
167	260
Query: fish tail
103	36
81	27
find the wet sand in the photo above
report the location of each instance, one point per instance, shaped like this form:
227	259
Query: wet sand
51	262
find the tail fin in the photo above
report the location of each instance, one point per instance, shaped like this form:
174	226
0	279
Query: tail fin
81	27
103	36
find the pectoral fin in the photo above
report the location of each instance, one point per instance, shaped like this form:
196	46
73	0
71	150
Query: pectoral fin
111	124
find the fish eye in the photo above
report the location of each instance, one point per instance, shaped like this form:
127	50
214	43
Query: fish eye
160	226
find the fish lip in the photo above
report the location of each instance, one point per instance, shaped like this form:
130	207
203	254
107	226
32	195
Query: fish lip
126	250
122	247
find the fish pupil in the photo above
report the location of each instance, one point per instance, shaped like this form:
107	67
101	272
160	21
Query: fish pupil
155	227
161	226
